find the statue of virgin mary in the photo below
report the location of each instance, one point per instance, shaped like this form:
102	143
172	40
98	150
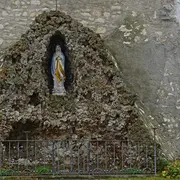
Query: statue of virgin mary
58	72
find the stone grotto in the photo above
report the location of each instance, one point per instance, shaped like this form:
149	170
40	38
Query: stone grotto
97	104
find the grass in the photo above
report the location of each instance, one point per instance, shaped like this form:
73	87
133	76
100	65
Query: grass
138	178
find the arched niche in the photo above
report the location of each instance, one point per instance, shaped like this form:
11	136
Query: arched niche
58	39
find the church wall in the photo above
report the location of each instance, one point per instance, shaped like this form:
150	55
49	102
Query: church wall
16	15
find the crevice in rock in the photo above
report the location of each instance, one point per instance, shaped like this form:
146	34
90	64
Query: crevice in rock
15	58
34	99
19	128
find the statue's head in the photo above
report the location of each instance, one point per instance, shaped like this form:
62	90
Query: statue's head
58	48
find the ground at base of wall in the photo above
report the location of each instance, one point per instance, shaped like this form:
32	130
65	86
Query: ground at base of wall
139	178
83	177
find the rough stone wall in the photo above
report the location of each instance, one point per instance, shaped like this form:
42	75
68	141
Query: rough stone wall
16	15
146	47
148	58
98	104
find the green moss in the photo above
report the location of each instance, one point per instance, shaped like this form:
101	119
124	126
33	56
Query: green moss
43	170
137	178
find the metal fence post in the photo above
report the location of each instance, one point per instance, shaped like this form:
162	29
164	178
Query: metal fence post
88	157
56	5
1	153
155	152
27	143
53	158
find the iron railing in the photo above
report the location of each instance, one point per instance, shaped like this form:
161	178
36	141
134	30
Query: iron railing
28	157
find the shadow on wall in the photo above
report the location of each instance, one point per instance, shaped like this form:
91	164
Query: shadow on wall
19	128
58	39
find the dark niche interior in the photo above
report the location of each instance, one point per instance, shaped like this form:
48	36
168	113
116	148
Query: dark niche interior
35	130
34	99
58	39
19	130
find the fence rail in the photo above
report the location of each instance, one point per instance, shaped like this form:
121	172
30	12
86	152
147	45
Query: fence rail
29	157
